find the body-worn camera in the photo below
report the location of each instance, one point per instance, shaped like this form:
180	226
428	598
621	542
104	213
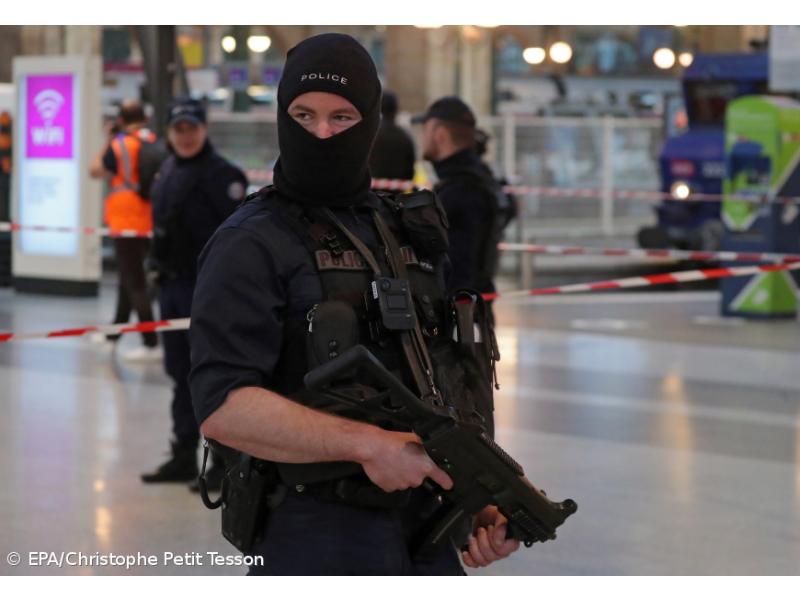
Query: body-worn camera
395	303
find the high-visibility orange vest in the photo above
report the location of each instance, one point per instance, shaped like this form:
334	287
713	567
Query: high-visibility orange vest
125	208
5	142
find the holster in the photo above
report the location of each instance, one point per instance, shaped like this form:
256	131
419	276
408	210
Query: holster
250	489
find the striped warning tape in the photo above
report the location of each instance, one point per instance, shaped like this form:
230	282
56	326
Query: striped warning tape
264	176
645	253
630	282
649	280
146	326
401	184
648	195
505	247
100	231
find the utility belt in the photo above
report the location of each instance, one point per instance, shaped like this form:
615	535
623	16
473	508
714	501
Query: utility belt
356	491
252	489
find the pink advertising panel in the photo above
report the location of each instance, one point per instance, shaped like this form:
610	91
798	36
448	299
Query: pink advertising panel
49	110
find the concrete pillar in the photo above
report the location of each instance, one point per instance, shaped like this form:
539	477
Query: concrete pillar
475	68
10	46
42	39
407	66
441	60
159	50
425	64
215	53
83	39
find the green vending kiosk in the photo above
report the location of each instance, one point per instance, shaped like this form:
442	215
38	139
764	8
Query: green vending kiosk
762	156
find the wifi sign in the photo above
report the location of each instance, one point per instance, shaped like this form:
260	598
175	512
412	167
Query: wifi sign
48	103
49	116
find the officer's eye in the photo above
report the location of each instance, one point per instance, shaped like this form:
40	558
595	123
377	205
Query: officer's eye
301	115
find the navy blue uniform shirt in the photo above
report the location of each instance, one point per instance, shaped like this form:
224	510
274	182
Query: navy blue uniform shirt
190	198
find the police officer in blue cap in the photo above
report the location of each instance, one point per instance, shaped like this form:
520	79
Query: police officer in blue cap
194	191
476	205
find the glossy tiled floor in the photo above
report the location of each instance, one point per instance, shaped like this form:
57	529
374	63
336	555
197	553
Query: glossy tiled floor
677	433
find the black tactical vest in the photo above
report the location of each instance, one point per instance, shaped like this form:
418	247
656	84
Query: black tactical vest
458	336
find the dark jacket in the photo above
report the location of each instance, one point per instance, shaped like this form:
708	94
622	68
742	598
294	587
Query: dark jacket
471	209
393	153
191	198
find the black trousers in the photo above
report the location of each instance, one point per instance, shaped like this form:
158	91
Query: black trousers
309	535
132	290
175	300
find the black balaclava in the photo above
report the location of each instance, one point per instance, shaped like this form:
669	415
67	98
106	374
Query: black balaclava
332	171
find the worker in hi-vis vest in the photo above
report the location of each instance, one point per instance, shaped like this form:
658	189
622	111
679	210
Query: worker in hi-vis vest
129	217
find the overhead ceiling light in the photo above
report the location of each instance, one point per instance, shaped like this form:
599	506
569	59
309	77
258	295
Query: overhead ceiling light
534	56
229	43
664	58
686	59
259	43
561	52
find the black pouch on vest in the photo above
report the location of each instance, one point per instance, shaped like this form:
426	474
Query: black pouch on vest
473	329
424	220
250	486
332	329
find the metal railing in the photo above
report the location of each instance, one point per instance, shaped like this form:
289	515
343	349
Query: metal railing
606	153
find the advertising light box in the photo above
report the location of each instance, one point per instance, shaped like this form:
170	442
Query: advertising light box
58	131
49	178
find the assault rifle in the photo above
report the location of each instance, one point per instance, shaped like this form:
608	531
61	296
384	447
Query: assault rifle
482	472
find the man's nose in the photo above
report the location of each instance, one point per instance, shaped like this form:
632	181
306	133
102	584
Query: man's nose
324	130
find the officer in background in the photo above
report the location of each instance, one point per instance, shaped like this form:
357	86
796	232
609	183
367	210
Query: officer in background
467	190
126	209
194	192
393	152
283	269
5	197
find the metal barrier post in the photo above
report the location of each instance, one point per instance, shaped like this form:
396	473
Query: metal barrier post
510	173
526	268
607	178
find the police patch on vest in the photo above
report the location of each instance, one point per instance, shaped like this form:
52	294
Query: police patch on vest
349	260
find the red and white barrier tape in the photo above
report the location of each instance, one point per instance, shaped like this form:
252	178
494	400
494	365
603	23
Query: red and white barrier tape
630	282
263	176
400	184
648	280
144	327
648	195
644	253
505	247
99	231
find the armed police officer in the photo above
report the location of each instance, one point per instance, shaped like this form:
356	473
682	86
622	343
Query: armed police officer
476	205
288	283
195	190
